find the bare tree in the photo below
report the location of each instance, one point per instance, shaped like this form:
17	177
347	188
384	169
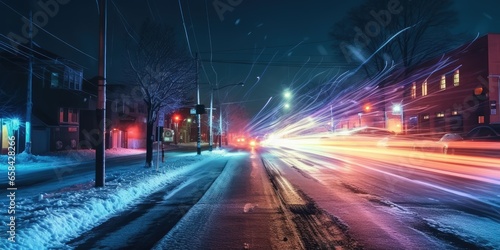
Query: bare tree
164	74
9	105
403	32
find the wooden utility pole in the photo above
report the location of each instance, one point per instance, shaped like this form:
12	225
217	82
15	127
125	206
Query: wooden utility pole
100	165
198	116
29	101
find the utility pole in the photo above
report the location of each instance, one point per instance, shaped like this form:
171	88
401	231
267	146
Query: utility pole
198	116
220	125
210	143
29	101
211	112
101	97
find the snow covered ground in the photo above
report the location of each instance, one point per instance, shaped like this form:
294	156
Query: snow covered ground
46	218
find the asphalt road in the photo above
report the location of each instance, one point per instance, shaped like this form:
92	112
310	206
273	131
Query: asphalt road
389	200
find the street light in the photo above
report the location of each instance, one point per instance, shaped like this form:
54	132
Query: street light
287	95
210	143
397	109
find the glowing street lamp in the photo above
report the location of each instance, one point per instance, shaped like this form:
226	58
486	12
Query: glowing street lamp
397	109
367	108
287	94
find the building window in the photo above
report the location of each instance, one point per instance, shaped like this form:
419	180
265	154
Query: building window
426	117
456	78
440	114
73	115
424	88
414	90
61	115
480	119
73	78
68	115
54	80
454	112
442	84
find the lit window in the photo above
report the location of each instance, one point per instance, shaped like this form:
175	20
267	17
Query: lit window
454	112
480	119
440	114
73	115
54	80
424	88
67	115
61	115
414	90
442	84
426	117
72	79
456	78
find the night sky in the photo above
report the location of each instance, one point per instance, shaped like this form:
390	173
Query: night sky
268	45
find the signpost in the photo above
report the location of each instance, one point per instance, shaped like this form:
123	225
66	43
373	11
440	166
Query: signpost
160	123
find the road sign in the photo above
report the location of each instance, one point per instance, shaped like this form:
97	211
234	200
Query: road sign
161	118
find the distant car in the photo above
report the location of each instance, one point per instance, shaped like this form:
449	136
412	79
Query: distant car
483	140
241	142
254	143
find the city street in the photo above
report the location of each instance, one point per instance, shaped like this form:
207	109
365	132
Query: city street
287	198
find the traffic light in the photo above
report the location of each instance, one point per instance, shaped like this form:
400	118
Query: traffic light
200	109
177	118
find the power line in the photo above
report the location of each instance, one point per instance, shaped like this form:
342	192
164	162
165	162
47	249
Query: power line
289	64
46	31
272	47
124	22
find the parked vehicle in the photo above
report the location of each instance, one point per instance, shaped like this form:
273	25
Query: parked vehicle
482	140
241	142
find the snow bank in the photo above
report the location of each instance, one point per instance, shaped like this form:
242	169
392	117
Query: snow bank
24	161
51	219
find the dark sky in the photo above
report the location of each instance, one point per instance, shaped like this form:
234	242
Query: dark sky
287	33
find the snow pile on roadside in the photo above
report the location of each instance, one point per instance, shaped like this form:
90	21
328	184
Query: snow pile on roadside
51	219
25	161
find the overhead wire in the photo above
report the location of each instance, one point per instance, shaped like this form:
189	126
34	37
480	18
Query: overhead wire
150	10
126	25
210	41
185	29
203	69
49	33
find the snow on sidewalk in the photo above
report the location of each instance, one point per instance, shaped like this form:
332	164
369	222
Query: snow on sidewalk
49	220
